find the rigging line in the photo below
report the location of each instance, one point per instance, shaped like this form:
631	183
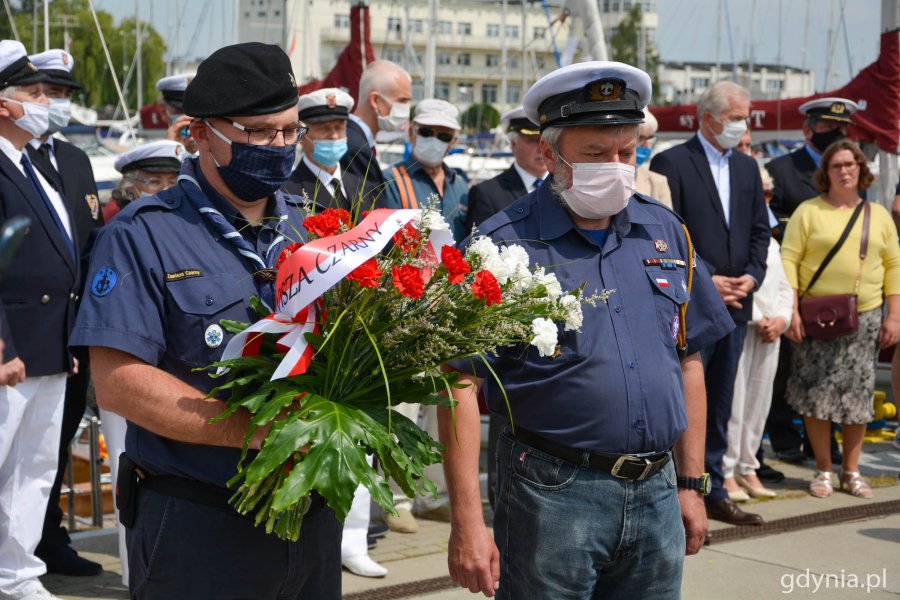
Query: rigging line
552	35
846	40
12	21
730	41
112	71
194	35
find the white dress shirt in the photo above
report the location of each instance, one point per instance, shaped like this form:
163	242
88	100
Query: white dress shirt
721	173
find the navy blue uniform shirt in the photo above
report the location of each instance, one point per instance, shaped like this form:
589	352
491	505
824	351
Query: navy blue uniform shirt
160	277
616	385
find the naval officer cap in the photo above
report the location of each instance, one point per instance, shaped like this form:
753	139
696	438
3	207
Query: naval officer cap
589	93
172	88
829	109
242	80
516	121
57	65
326	104
15	68
163	156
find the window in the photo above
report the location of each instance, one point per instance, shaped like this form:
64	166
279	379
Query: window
262	14
464	28
418	90
512	62
395	24
444	27
699	82
512	31
493	30
513	94
489	93
342	21
442	90
414	25
464	93
539	61
538	33
774	85
444	58
393	55
491	60
464	59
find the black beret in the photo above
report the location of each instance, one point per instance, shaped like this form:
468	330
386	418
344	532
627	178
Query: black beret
20	72
242	80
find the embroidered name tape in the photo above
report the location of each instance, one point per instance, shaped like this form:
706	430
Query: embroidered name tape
183	274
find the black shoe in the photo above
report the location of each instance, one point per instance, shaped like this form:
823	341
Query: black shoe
768	474
794	456
371	542
378	529
67	562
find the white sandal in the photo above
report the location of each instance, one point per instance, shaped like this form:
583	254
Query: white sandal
820	486
856	485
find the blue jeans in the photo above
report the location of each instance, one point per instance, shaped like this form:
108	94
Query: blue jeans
568	532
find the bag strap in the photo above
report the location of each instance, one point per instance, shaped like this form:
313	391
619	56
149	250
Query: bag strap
863	247
837	246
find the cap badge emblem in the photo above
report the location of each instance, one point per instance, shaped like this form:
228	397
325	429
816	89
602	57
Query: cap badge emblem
65	58
177	150
331	101
293	81
837	108
661	245
605	90
31	66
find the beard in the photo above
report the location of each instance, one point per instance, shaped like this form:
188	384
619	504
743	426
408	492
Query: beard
562	180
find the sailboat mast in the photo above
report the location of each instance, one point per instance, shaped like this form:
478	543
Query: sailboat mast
46	25
140	61
431	48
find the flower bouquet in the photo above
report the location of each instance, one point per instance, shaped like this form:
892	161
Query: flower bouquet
364	317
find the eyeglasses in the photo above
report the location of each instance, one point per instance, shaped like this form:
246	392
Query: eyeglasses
427	132
264	136
156	183
746	120
838	167
644	139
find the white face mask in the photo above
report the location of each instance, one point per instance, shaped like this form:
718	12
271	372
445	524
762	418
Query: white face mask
397	119
36	119
732	132
430	151
60	113
599	190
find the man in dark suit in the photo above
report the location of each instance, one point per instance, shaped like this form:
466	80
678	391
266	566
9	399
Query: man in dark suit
319	178
40	292
385	95
718	193
68	169
525	175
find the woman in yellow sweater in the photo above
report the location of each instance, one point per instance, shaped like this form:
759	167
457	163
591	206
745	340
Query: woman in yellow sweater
833	380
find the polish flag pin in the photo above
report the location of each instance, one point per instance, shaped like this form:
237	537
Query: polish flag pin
662	282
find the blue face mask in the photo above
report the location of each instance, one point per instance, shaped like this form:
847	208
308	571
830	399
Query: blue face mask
642	153
255	172
328	152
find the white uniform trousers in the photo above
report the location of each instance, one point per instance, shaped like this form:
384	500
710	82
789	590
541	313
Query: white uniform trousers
31	418
750	404
114	427
425	416
354	541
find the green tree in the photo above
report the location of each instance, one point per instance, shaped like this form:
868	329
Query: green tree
479	118
91	67
626	44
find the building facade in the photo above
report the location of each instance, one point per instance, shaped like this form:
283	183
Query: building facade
684	82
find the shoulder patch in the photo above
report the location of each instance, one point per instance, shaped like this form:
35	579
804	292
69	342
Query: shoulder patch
104	281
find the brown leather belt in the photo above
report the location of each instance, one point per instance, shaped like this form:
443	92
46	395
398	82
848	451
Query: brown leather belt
622	466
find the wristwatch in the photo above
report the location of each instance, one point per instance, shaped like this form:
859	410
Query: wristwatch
699	484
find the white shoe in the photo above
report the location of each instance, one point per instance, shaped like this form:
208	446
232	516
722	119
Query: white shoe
40	594
363	566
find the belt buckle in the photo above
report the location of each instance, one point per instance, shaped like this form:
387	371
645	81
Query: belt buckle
632	460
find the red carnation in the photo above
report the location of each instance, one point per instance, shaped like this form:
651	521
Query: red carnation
326	223
286	253
486	287
408	238
367	274
408	281
457	267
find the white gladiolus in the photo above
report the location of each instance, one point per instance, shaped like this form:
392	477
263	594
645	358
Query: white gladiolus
544	336
549	281
434	221
571	307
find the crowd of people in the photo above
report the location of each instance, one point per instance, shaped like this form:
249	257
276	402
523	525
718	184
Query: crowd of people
620	449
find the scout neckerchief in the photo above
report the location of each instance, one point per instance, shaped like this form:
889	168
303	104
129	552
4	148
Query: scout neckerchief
187	180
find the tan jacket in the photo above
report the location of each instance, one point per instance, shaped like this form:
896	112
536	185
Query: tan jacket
653	184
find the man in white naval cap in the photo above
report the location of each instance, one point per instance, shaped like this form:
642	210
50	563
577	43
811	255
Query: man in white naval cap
171	89
586	499
146	170
319	178
39	296
68	169
525	174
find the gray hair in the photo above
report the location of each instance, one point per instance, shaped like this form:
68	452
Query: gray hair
8	92
378	76
715	99
126	189
650	125
512	136
551	135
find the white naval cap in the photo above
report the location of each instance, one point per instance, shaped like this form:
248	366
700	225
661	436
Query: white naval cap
589	93
516	121
163	156
172	88
325	104
15	68
57	65
830	109
437	113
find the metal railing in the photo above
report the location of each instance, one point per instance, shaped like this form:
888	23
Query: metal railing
96	479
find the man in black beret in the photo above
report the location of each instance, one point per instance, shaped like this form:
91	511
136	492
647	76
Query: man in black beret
183	260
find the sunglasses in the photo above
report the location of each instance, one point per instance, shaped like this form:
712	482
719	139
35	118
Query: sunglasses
429	132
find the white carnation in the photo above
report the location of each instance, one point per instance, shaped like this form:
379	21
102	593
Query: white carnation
433	221
571	307
488	257
544	336
549	281
515	260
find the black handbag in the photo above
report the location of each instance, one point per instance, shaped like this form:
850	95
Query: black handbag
829	317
